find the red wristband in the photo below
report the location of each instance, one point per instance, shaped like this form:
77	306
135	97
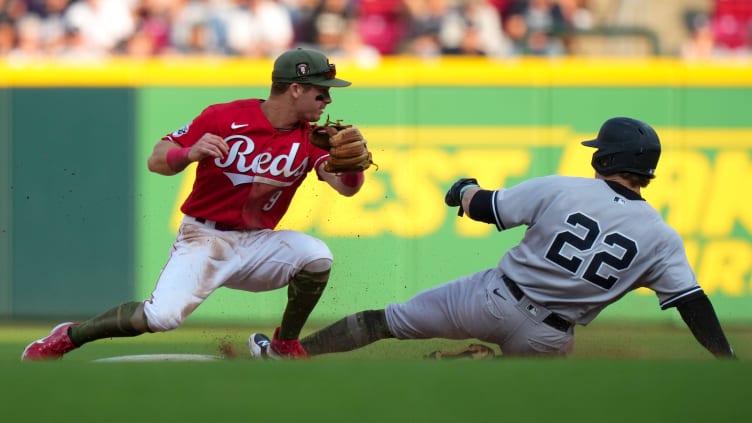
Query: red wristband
177	158
352	179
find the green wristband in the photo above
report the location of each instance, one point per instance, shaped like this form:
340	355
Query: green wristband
466	187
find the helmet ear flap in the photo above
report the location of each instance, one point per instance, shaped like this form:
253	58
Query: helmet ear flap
602	163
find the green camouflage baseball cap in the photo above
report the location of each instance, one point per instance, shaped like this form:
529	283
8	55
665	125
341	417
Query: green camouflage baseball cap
306	67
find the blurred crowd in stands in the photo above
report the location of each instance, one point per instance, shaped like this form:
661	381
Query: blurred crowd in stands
723	31
361	30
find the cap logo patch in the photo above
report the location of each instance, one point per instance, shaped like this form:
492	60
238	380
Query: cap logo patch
302	69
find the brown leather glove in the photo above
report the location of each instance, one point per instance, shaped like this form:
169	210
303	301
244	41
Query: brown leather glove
346	146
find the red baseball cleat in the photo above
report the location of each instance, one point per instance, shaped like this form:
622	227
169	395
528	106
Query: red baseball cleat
275	349
52	346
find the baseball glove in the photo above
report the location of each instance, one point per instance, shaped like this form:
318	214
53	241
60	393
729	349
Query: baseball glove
472	351
346	146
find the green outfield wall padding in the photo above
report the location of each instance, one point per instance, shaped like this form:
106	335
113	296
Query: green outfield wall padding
72	200
6	227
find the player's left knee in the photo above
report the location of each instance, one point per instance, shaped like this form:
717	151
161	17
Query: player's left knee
312	252
321	265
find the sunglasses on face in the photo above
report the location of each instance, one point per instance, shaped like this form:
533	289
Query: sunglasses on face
322	96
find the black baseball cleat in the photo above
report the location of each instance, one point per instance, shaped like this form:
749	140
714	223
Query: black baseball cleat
260	347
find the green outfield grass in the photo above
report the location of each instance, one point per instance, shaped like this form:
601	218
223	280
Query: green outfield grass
619	373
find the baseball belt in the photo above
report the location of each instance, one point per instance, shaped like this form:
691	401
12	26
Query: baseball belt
215	225
554	320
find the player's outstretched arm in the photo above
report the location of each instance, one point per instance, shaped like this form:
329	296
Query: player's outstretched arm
472	199
700	317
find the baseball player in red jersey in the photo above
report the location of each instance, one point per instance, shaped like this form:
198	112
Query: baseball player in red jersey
252	156
589	241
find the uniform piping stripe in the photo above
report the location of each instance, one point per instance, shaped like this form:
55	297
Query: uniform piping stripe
497	218
674	299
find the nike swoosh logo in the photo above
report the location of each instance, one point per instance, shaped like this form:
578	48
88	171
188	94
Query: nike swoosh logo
496	292
237	125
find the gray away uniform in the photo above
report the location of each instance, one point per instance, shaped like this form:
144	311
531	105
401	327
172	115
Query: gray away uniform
588	243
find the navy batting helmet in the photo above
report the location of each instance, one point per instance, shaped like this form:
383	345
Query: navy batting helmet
625	145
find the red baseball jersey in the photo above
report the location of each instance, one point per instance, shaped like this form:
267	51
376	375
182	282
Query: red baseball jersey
253	186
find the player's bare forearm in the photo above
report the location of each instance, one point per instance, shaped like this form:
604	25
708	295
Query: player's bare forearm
347	184
157	162
169	158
